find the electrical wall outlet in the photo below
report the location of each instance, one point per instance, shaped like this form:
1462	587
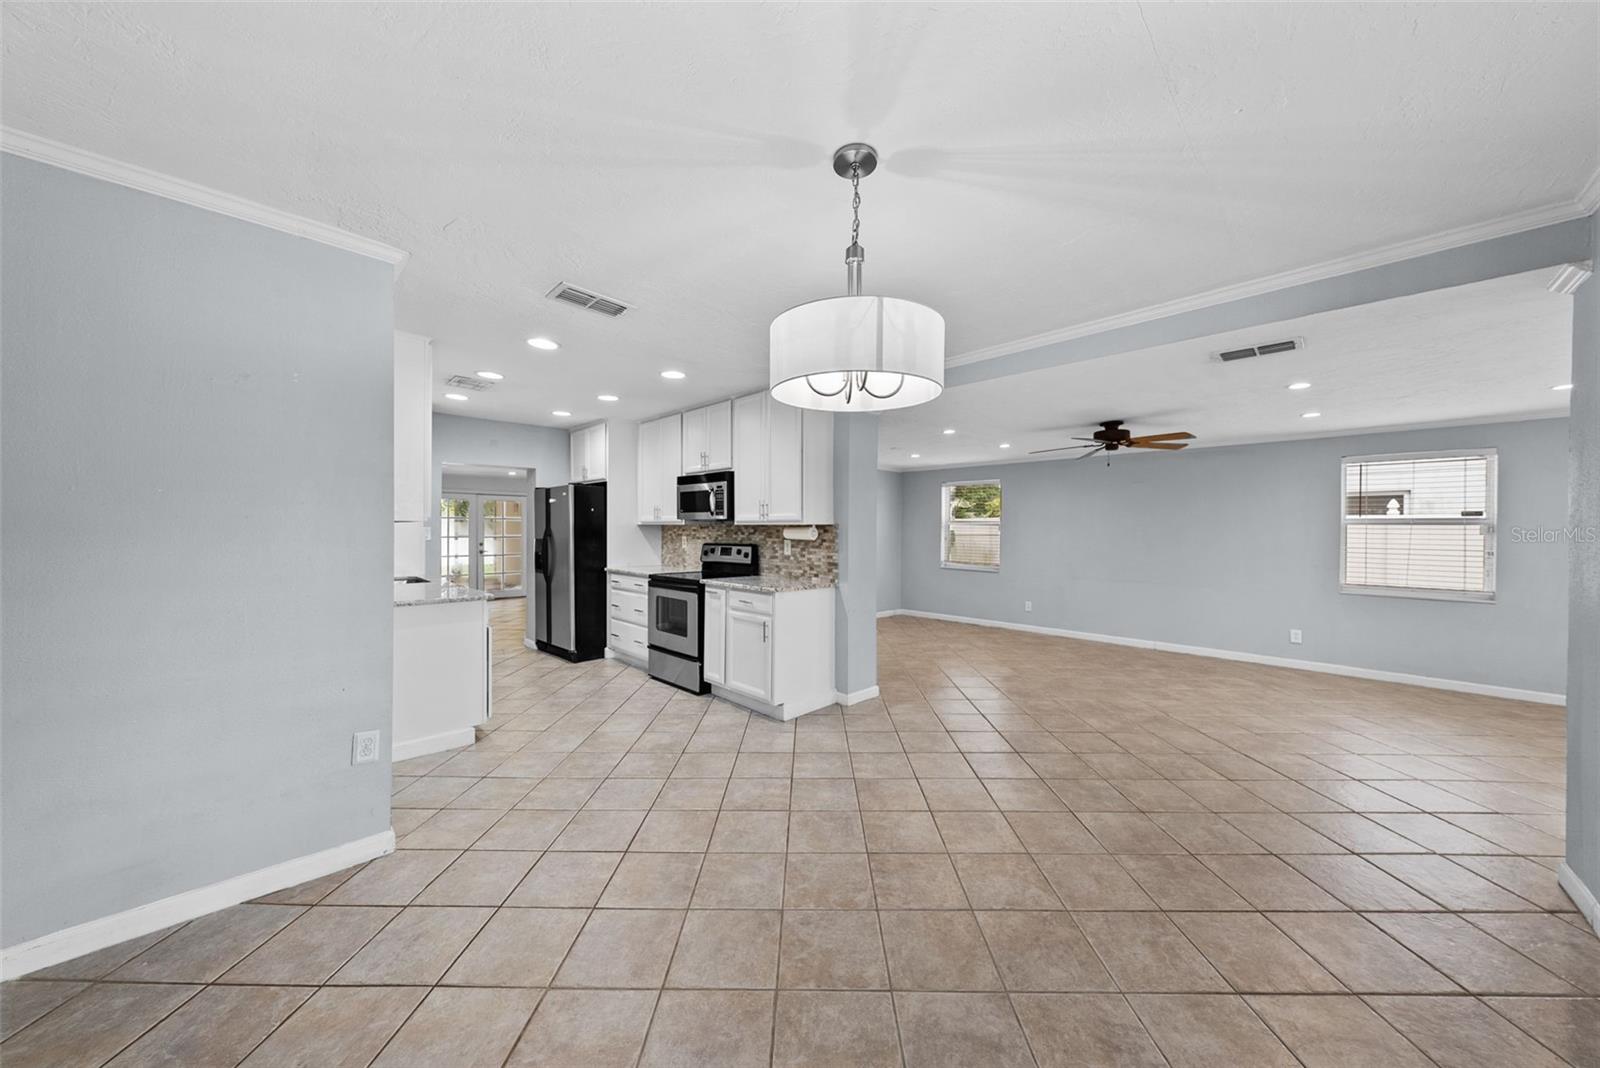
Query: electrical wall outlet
1294	636
364	747
1027	606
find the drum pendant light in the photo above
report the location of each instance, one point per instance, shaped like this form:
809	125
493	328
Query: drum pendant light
857	353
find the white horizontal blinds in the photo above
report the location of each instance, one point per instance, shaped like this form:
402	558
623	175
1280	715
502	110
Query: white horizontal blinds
970	527
1423	523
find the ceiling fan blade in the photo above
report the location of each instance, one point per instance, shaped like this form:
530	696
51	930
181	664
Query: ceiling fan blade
1157	445
1181	435
1063	448
1091	452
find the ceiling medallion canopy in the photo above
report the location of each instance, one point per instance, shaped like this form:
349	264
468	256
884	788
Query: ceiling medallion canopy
857	353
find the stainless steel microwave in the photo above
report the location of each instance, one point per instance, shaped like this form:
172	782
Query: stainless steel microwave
706	498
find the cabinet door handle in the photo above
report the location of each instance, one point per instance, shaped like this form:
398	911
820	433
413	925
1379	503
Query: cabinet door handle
763	634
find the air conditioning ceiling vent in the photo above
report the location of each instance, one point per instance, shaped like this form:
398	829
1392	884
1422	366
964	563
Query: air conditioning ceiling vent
470	382
1271	348
584	298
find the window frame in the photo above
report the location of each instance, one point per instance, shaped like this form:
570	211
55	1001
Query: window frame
944	525
1488	523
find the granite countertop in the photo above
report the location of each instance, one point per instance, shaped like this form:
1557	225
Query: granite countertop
432	593
752	583
639	570
770	584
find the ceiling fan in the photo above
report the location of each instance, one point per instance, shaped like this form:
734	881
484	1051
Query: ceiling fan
1112	436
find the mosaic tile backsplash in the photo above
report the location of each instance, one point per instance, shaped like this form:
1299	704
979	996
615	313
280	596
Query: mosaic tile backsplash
680	549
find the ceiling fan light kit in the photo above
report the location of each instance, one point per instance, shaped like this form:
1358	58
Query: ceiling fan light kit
856	353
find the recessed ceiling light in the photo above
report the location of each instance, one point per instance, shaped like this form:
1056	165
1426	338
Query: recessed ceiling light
493	376
455	396
916	456
543	343
673	375
1005	444
1299	385
1563	386
607	397
949	430
1311	415
559	414
513	474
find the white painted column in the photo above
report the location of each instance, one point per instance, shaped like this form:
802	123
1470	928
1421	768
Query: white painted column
855	511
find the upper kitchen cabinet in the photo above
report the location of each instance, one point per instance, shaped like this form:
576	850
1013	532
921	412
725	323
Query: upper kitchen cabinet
659	448
708	438
589	453
782	462
413	427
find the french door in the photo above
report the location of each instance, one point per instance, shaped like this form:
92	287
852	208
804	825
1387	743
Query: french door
481	540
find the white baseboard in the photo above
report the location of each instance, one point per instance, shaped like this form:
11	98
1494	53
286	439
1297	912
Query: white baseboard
1455	685
433	743
75	941
529	643
856	697
1581	896
887	612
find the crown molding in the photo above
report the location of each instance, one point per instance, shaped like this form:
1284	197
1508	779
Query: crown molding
44	150
1381	257
1589	197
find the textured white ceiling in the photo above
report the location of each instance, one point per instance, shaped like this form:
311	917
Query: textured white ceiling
1475	353
1044	164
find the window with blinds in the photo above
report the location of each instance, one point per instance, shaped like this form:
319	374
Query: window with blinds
1419	525
969	530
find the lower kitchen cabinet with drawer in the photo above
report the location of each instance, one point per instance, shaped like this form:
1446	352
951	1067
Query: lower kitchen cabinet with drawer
772	652
627	618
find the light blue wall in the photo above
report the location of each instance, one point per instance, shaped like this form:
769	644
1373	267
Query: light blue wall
1583	655
1228	548
197	508
890	485
545	450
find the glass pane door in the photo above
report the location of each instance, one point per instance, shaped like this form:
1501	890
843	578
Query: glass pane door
480	542
501	541
455	541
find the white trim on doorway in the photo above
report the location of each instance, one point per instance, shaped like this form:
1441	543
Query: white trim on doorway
1454	685
71	942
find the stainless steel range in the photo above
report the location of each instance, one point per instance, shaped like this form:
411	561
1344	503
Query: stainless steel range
677	608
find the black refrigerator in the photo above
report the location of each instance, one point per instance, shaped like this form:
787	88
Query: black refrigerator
569	570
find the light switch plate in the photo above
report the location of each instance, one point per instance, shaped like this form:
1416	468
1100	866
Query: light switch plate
364	747
1294	636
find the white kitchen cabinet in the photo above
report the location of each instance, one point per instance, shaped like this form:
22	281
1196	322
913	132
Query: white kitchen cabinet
413	427
660	446
589	453
771	652
708	438
748	669
627	618
714	635
782	462
785	463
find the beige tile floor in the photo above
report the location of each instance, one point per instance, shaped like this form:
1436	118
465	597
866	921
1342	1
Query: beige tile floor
1031	851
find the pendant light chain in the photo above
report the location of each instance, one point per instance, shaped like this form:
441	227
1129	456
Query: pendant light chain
855	204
